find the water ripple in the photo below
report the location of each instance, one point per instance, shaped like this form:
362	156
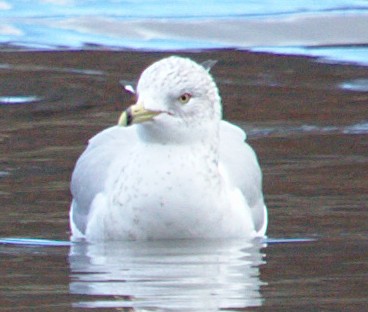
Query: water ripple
359	85
19	99
359	128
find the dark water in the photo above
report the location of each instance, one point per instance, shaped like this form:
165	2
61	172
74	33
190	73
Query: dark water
307	121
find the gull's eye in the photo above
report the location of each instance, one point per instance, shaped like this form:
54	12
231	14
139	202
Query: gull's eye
184	98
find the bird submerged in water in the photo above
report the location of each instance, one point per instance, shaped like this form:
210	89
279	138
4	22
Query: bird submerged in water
171	168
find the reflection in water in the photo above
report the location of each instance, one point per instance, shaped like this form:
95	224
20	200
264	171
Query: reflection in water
19	99
181	275
358	85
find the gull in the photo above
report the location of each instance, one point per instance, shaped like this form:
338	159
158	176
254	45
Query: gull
171	168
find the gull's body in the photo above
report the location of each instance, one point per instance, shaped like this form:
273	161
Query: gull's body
178	172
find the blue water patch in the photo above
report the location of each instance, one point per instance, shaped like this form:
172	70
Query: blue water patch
57	243
360	128
358	85
334	54
13	100
171	9
4	174
34	242
276	241
289	27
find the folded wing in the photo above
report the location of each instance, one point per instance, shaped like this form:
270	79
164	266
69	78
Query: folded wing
242	168
90	173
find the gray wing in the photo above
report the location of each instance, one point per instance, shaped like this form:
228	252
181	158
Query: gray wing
90	172
241	163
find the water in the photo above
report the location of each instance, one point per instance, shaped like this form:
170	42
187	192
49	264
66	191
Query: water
310	133
189	275
306	118
330	30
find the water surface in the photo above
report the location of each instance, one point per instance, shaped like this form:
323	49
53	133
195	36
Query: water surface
308	124
60	66
335	31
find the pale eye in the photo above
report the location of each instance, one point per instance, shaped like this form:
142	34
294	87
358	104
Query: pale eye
184	98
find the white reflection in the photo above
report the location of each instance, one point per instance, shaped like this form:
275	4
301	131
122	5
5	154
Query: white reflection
360	128
10	30
19	99
5	5
359	85
180	275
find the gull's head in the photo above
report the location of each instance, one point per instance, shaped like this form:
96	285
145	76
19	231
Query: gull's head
175	96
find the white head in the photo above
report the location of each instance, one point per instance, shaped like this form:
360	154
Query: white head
176	97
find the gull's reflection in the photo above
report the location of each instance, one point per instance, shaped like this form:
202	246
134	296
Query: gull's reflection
167	275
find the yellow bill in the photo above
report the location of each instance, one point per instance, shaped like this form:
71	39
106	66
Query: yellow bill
136	114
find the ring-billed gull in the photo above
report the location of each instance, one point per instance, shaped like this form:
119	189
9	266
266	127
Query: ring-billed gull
171	168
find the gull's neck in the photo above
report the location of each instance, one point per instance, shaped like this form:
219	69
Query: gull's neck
182	134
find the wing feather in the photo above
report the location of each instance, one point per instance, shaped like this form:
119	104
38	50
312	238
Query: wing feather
90	172
241	164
